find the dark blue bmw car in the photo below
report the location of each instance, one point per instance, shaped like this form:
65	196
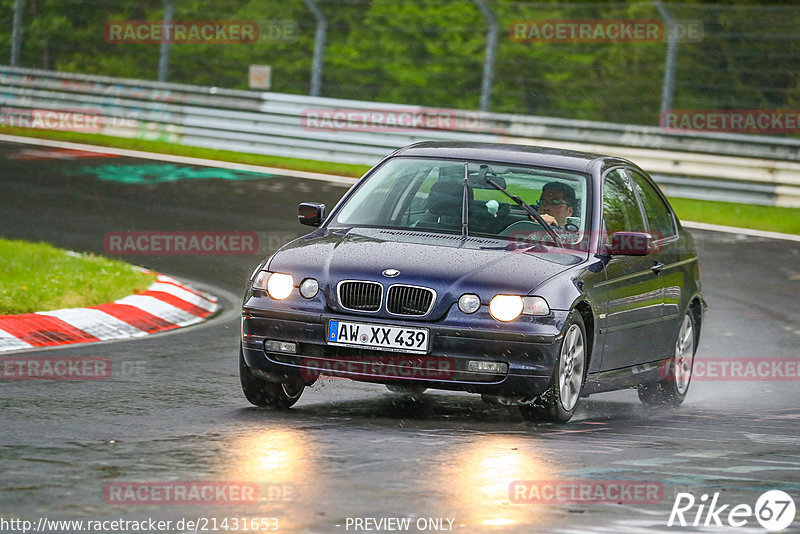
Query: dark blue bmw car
532	276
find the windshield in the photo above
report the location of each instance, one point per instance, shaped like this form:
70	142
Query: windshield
428	195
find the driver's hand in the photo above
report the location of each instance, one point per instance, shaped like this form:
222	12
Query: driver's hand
549	219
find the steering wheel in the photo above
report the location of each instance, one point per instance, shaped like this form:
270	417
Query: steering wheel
521	227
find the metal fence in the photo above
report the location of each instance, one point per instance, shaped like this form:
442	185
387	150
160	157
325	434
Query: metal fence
739	168
465	54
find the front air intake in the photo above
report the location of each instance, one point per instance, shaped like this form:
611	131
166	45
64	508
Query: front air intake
410	300
360	296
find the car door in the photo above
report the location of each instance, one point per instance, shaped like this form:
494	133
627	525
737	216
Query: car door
662	226
632	296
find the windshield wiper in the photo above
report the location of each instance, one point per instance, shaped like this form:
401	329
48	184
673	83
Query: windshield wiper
519	202
465	203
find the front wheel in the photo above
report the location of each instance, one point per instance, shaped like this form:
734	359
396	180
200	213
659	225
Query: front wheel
261	392
558	402
672	388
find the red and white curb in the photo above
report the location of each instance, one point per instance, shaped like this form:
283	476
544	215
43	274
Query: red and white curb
165	305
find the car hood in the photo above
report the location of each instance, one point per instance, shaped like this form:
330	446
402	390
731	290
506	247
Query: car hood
446	263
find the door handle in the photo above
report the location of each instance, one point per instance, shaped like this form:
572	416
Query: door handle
657	266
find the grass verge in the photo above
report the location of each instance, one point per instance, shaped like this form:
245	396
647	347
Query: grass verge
786	220
39	277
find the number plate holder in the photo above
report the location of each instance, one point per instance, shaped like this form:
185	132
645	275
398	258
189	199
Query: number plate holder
373	336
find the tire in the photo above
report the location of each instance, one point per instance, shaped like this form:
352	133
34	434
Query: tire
674	386
261	392
557	404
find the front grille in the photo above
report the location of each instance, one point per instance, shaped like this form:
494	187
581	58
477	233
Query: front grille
360	296
409	300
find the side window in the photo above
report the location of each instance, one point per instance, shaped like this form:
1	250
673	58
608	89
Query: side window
656	211
620	208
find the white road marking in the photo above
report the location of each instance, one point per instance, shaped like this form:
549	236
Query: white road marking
9	342
183	294
161	309
96	322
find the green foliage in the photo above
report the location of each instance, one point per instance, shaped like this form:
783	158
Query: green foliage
431	53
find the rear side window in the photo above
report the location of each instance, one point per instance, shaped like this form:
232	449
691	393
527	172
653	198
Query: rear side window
620	208
657	212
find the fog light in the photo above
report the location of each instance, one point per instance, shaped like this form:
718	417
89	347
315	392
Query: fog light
279	286
280	346
309	288
469	303
487	367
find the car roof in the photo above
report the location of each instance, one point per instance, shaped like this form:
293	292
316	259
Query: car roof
510	153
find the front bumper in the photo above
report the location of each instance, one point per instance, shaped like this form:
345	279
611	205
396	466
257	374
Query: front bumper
528	347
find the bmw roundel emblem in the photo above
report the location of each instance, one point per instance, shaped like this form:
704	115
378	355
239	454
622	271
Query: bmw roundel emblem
391	273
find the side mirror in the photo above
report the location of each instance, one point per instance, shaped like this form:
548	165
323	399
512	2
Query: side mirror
631	244
311	213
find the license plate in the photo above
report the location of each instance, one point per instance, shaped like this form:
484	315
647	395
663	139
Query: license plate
378	336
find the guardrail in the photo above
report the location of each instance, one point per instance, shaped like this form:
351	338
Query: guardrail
714	166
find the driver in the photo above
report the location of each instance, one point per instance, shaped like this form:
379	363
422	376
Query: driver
556	203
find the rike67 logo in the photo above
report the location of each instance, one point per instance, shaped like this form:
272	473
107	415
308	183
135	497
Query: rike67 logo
774	510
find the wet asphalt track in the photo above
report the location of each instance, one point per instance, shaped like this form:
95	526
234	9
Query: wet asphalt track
173	410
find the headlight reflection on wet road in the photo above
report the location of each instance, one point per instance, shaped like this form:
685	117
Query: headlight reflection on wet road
282	463
479	476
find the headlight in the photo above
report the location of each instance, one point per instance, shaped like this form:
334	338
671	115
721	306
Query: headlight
309	288
469	303
279	286
506	307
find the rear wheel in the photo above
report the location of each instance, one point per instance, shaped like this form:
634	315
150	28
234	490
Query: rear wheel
261	392
558	402
672	389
